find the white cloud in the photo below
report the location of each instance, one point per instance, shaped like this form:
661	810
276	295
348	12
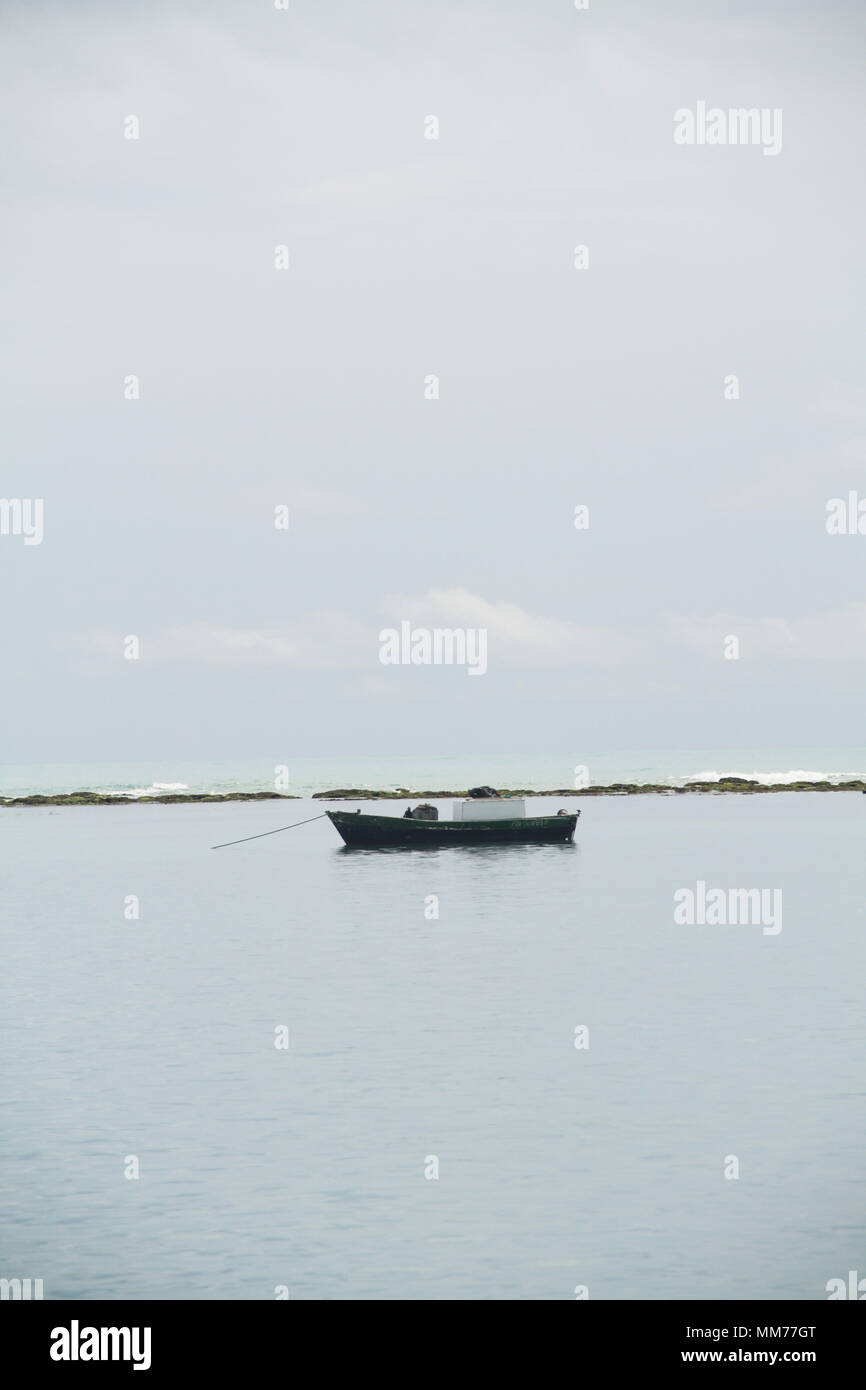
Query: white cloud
327	640
334	640
514	636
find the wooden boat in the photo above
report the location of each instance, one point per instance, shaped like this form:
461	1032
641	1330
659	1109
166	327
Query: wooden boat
382	832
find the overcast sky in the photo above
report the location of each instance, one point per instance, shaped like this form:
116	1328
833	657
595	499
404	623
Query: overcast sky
408	257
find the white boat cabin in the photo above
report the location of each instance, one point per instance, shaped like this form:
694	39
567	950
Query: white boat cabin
489	808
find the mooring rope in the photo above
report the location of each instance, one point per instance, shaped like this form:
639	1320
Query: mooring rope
263	833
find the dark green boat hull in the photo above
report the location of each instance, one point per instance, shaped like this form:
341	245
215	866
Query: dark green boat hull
382	832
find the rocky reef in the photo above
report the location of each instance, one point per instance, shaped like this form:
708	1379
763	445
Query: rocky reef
726	785
109	799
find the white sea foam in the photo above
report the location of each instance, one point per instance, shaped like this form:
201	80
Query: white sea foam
155	789
768	778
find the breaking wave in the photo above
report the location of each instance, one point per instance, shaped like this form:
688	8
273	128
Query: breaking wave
769	778
154	790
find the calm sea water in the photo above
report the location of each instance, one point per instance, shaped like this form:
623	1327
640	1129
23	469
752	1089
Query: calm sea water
413	1037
